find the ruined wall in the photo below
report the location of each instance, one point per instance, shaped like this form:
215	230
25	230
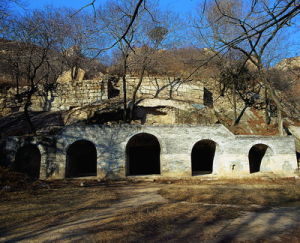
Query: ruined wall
166	88
63	96
176	144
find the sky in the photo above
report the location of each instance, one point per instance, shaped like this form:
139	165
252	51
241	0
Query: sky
185	8
179	6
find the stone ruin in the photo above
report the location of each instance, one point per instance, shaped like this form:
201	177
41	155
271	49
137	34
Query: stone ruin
179	151
66	95
99	151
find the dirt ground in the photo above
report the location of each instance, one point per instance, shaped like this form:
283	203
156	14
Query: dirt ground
153	211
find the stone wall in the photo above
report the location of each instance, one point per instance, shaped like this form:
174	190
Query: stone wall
176	144
166	88
66	95
63	96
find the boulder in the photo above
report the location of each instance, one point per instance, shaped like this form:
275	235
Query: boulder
295	131
66	76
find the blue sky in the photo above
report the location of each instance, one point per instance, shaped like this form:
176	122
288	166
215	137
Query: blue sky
179	6
184	8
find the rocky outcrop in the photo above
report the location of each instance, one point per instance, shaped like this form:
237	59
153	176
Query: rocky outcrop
295	131
66	76
289	63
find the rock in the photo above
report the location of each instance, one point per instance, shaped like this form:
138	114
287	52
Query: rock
295	131
80	74
65	77
289	63
162	102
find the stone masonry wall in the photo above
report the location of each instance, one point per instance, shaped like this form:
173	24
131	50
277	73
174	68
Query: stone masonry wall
62	97
166	88
80	93
176	143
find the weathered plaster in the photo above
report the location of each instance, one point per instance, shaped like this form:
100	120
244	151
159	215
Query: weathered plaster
176	142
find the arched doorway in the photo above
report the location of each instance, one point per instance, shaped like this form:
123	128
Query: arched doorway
203	154
143	155
81	159
256	155
28	161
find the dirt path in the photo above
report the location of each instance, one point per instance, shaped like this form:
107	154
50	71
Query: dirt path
131	196
263	223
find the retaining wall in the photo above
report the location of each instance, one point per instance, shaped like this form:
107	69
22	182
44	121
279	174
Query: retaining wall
176	143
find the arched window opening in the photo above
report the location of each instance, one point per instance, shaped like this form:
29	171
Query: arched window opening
28	161
203	154
81	159
143	155
256	154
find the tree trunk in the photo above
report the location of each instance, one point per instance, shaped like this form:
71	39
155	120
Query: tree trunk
280	121
234	103
135	92
124	88
276	101
279	110
237	121
26	112
267	115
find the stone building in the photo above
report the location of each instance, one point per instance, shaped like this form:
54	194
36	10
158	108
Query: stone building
162	151
131	150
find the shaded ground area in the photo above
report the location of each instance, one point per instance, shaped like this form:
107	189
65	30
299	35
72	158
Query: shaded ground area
177	211
15	124
49	122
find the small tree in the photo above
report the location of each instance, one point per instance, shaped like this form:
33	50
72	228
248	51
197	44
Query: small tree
121	20
144	57
34	59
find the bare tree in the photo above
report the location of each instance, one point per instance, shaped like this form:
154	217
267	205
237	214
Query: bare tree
34	58
121	22
80	39
143	59
6	13
255	27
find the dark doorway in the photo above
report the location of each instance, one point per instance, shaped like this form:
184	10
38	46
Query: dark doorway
143	155
203	154
28	161
256	154
81	159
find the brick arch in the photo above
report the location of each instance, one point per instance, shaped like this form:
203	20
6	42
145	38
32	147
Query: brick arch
28	159
203	155
143	155
259	157
81	159
163	147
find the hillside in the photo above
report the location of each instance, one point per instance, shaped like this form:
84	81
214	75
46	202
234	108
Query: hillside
15	57
173	66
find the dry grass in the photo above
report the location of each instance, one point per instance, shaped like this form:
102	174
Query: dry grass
237	192
13	180
195	211
50	204
174	222
263	196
